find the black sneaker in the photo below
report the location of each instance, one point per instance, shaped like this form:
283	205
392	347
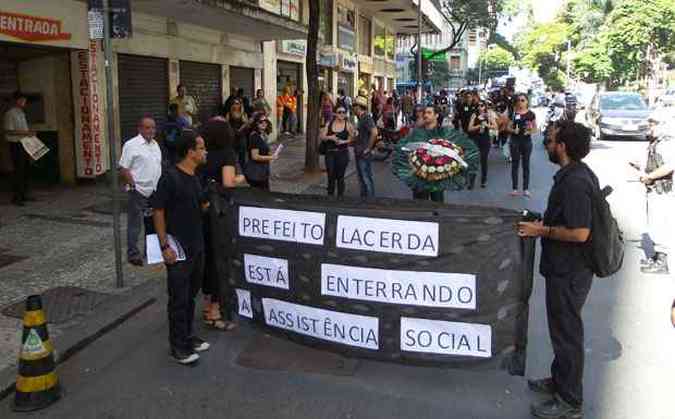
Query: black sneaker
199	345
136	261
556	408
184	357
542	386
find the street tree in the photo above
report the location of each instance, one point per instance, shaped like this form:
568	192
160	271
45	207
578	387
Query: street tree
462	15
496	61
313	90
542	50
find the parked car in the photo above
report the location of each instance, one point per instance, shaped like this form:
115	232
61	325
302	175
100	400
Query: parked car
667	99
618	115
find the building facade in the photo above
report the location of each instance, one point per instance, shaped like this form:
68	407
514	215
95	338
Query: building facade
210	47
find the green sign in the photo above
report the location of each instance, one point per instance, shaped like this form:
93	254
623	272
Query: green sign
426	53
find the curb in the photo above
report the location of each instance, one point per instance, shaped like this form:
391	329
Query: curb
106	317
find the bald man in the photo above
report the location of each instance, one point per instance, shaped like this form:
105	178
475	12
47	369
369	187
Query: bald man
140	168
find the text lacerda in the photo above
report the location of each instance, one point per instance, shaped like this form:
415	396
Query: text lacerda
429	289
285	225
387	236
343	328
244	301
449	338
262	270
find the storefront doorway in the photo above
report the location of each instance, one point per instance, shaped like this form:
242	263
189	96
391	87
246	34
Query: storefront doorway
243	78
289	75
203	82
44	75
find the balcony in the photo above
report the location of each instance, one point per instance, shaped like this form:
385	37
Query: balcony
401	15
240	17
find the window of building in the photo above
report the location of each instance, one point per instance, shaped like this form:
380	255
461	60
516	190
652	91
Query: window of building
472	37
346	19
365	36
455	63
326	21
380	40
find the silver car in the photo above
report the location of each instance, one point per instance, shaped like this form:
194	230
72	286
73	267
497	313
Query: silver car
619	115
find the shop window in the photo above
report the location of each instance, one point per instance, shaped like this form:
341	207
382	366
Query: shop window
380	38
365	36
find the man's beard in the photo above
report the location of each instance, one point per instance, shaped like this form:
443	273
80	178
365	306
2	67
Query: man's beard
553	157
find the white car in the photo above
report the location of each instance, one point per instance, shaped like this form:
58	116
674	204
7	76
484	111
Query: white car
667	99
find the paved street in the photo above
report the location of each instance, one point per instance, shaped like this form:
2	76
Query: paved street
629	341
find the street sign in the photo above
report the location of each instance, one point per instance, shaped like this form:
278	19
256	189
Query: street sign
96	22
427	53
120	19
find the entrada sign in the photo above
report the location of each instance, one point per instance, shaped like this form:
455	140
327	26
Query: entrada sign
31	28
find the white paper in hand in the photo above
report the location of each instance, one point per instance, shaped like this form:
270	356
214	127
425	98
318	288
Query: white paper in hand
154	251
278	150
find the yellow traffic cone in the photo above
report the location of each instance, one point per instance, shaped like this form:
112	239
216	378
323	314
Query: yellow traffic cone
37	385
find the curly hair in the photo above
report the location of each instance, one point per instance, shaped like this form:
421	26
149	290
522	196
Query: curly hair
576	137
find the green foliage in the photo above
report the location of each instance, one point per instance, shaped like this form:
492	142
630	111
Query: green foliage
542	51
496	60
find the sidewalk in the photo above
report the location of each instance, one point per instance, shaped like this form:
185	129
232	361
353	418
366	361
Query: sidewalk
65	239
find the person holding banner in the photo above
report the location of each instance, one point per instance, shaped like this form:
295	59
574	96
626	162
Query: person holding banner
16	128
565	231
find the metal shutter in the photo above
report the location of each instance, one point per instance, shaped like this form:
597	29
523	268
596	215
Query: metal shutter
203	82
143	90
242	78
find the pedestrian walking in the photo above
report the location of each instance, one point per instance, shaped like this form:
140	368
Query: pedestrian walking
178	210
657	176
220	169
337	136
141	167
407	107
479	127
345	102
187	105
15	126
257	169
564	264
521	127
327	106
363	146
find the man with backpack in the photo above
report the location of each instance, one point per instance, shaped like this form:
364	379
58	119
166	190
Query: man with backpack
658	178
565	233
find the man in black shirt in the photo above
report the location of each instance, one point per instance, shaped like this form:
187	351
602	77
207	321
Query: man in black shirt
178	205
565	232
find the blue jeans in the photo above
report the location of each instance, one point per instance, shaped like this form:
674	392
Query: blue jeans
365	172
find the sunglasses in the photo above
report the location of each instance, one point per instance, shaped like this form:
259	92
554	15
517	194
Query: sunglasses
341	112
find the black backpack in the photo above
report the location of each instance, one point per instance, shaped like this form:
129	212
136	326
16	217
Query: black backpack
606	246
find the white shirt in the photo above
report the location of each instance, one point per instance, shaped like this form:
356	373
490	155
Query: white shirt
15	120
144	160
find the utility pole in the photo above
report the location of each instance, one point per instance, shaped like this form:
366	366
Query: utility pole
419	51
111	141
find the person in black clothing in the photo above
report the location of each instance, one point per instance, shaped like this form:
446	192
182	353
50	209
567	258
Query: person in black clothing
338	135
178	208
258	167
523	124
463	112
221	169
238	119
564	234
479	129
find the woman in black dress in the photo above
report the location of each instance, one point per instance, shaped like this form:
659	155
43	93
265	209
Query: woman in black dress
220	169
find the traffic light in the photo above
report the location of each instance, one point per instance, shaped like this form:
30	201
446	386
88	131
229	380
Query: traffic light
428	67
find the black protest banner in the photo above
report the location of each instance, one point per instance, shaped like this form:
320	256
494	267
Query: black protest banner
405	281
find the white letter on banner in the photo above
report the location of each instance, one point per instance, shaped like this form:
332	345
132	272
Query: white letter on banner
334	326
271	272
387	236
448	338
428	289
285	225
244	299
